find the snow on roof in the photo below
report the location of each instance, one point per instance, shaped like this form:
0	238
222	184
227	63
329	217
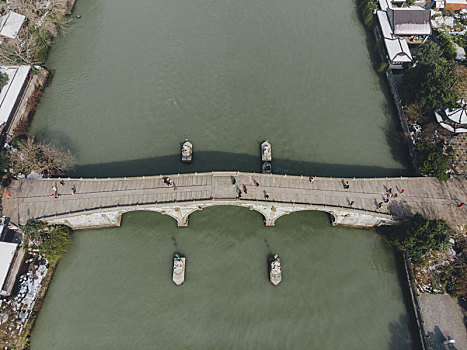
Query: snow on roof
458	115
397	48
7	251
11	91
11	24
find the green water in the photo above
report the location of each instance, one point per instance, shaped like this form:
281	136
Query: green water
113	289
134	79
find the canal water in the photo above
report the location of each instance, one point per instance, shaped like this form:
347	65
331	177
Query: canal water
133	79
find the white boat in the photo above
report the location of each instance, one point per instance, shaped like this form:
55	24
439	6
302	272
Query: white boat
187	151
266	151
178	274
275	273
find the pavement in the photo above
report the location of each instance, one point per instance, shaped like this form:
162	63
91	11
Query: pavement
444	320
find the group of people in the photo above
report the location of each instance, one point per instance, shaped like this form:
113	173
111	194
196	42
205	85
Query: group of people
169	182
62	183
389	195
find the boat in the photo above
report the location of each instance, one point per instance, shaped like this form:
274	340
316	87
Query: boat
178	273
275	273
187	151
266	151
267	168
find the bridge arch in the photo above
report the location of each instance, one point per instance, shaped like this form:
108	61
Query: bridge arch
271	211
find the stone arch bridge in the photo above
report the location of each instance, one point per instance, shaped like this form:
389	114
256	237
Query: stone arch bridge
101	202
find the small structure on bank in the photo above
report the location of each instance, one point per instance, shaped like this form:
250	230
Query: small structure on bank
397	49
10	25
8	253
178	274
454	119
187	152
12	92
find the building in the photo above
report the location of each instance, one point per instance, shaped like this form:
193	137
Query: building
410	23
454	120
455	5
397	49
10	24
8	255
12	92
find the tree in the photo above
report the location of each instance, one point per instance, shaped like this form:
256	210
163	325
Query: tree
419	236
56	242
41	158
29	49
367	10
449	50
433	159
33	228
433	85
3	80
48	21
428	53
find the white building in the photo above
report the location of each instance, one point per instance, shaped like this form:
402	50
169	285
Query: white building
7	254
11	93
454	120
397	49
10	24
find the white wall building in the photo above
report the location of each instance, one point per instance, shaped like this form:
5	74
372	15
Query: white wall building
7	253
10	24
11	93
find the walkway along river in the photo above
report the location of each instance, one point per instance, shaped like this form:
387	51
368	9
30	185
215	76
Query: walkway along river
133	80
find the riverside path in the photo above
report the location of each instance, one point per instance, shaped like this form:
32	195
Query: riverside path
101	202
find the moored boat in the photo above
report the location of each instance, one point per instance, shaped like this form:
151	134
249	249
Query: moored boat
266	151
267	168
187	151
275	272
178	273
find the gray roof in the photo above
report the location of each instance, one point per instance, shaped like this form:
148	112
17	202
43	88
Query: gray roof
410	21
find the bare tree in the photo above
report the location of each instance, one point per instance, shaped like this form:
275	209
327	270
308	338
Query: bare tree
49	21
41	158
21	51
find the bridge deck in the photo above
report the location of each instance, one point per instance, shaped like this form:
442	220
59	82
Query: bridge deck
32	199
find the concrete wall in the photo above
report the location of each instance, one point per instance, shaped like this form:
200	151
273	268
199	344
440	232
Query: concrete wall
180	212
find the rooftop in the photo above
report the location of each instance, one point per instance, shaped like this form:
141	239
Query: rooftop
412	20
7	252
11	91
397	48
10	24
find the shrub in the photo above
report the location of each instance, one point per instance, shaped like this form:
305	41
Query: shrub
433	159
419	236
367	9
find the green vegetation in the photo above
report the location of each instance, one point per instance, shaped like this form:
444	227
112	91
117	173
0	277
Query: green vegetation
433	84
434	159
40	157
428	53
367	9
419	236
3	79
447	45
51	240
